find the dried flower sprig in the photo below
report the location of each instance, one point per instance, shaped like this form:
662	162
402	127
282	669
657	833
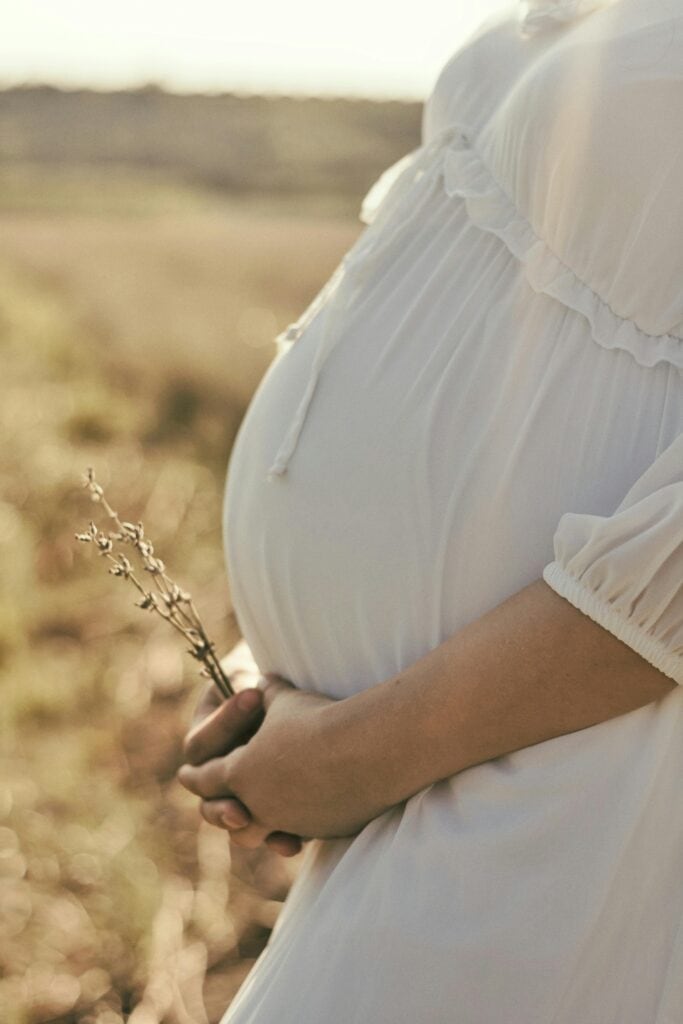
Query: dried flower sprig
167	599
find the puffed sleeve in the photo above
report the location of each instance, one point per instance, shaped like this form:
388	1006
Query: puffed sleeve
625	571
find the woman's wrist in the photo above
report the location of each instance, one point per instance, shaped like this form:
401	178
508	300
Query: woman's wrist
377	738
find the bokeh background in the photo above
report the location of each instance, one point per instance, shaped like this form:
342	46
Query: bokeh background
177	181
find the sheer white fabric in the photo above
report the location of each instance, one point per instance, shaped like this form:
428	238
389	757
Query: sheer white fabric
490	389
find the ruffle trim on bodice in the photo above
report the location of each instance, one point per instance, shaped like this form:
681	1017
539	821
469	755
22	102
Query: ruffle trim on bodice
539	15
491	209
449	160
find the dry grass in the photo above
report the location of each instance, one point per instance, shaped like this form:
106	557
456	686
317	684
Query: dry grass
131	344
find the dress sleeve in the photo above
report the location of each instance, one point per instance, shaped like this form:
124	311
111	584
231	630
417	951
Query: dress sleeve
625	571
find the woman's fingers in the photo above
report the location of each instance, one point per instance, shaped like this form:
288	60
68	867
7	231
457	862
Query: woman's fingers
271	686
283	843
240	662
206	780
235	818
224	728
249	836
230	814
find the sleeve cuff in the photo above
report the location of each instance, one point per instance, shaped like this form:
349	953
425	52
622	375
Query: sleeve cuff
606	615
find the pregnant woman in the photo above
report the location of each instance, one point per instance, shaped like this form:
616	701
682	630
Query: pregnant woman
454	535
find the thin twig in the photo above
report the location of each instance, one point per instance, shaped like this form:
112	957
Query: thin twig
167	599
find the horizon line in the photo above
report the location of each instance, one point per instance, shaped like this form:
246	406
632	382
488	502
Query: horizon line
156	85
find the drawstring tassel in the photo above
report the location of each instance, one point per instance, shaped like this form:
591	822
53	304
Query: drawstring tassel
289	443
327	343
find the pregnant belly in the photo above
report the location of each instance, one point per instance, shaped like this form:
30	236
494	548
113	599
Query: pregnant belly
381	539
425	488
327	564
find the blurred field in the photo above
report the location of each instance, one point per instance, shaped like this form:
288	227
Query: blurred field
136	317
293	150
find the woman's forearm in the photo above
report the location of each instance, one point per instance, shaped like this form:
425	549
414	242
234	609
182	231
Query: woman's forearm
532	669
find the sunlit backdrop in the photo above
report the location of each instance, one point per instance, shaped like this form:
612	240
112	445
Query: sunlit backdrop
358	47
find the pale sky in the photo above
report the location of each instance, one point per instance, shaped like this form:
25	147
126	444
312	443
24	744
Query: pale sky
354	47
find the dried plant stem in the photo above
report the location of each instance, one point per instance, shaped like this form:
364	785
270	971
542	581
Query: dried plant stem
167	599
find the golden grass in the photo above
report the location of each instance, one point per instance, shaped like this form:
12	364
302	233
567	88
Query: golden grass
131	344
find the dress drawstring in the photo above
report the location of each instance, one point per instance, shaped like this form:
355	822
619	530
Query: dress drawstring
343	286
330	294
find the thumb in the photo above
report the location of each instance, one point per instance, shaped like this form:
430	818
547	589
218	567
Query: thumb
228	725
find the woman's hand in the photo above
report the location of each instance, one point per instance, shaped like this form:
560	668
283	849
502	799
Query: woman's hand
218	726
295	774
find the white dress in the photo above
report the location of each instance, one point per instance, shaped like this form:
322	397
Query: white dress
490	389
